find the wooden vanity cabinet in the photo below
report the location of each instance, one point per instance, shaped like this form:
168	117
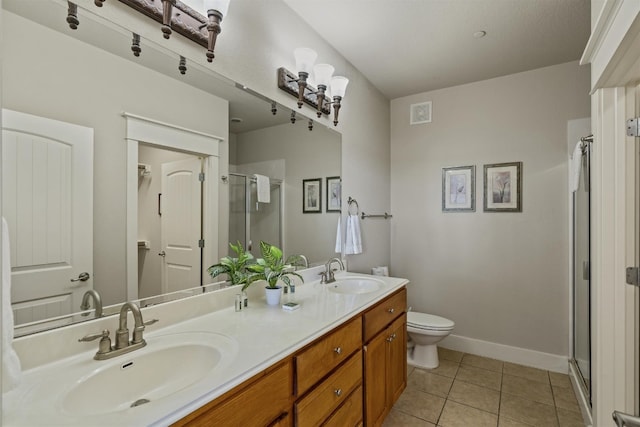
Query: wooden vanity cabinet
264	400
385	356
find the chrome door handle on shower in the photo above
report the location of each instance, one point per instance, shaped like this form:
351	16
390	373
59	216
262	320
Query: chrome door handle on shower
625	420
82	277
163	254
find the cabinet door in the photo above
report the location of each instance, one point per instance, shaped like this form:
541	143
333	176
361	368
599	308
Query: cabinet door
397	369
375	367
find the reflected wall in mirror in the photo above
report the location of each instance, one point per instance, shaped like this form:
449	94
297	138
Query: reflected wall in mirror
90	79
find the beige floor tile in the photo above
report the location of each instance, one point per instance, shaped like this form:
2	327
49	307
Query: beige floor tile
431	383
482	362
410	370
453	355
481	377
527	389
420	404
400	419
534	374
527	411
570	418
508	422
565	398
446	368
475	396
559	380
457	415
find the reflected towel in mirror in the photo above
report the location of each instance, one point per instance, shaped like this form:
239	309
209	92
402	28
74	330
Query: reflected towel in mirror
263	188
575	166
339	236
11	371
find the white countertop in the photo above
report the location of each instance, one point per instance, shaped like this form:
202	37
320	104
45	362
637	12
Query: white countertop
264	335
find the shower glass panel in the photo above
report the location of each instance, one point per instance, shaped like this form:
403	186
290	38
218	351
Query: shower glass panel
237	210
250	221
581	275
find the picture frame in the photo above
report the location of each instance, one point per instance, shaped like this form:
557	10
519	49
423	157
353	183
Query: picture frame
459	189
312	195
503	187
333	194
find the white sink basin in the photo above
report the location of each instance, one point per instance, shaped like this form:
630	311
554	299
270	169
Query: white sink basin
167	365
355	285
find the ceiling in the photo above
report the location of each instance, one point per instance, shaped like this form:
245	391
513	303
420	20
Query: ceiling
405	47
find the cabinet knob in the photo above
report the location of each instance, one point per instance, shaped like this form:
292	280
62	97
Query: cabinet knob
338	350
338	392
392	310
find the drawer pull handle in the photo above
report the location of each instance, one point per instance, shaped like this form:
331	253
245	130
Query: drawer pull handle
338	350
392	310
338	392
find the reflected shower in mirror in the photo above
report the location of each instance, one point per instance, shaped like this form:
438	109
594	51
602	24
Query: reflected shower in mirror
91	79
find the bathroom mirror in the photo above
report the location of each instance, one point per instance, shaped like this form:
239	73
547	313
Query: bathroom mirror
89	78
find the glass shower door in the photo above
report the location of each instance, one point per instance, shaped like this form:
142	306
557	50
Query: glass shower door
265	220
582	274
238	216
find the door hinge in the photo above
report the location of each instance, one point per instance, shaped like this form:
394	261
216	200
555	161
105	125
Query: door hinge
633	276
201	243
201	177
633	127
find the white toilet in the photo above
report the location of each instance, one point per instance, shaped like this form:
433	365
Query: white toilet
425	331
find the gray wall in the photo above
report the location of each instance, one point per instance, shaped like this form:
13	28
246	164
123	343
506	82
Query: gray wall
71	81
501	277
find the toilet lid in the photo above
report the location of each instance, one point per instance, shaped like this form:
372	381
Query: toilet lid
428	321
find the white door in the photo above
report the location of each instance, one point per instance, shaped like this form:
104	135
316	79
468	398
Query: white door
181	224
47	199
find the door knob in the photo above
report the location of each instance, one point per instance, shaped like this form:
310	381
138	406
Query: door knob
163	254
82	277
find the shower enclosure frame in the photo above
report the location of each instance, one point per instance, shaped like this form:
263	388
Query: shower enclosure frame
248	180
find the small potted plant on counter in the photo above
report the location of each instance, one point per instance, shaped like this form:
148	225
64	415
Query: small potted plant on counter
272	269
234	268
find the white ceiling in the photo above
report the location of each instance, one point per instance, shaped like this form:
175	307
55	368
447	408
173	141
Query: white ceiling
411	46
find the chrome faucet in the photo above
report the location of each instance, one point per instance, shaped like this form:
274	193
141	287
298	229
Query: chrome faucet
328	274
97	302
123	345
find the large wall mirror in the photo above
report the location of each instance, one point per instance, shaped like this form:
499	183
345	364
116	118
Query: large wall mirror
86	190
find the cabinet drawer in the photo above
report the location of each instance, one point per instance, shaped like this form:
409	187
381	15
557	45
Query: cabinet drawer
328	352
349	414
315	407
384	313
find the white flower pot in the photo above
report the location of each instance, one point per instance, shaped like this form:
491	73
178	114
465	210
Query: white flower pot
273	295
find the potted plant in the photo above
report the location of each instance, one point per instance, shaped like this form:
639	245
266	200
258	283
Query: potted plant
234	268
272	268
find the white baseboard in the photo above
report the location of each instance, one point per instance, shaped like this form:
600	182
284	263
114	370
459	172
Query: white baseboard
506	353
583	402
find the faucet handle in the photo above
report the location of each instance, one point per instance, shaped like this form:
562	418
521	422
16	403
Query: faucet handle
92	337
323	277
150	322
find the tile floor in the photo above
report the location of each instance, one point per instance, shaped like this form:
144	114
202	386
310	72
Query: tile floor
473	391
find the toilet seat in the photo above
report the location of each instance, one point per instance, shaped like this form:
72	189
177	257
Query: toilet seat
428	322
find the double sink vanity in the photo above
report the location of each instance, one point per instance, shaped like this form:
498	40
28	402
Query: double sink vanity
340	359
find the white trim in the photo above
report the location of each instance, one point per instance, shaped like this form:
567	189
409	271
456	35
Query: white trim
167	135
507	353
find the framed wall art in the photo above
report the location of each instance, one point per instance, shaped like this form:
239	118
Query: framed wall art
312	195
459	189
503	187
334	194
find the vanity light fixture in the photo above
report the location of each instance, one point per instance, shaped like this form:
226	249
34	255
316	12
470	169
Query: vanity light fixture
197	20
274	108
299	86
310	126
72	15
182	67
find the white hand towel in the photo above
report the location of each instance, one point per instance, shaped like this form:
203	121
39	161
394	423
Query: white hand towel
11	370
263	188
575	167
339	236
353	244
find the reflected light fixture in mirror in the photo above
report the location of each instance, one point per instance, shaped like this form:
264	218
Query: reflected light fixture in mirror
323	75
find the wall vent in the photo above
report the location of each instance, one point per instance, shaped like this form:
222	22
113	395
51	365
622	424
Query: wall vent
420	113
